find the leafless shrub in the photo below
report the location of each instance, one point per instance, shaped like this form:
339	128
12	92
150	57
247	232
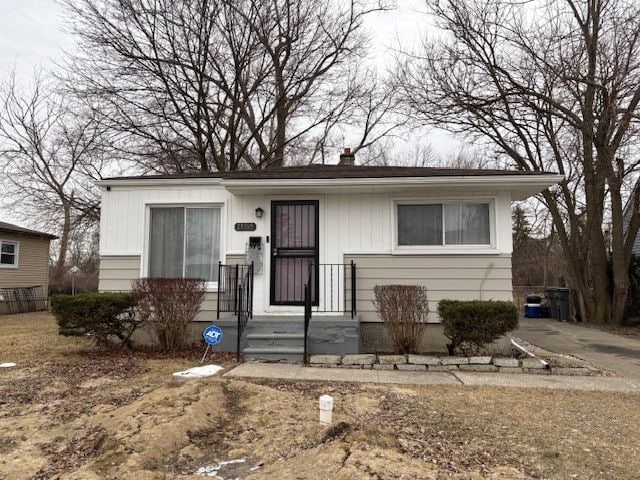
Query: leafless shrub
167	306
403	309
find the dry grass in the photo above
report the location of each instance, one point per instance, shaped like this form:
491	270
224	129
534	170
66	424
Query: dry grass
67	411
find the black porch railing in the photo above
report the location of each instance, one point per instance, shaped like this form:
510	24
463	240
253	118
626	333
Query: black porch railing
230	279
23	299
333	288
235	294
329	288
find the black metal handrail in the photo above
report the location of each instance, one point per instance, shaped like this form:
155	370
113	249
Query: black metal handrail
307	312
245	305
335	291
235	294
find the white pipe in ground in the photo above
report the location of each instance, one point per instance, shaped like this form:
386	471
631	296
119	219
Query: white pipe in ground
526	352
326	409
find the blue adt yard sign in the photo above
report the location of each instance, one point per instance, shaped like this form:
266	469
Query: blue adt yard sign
212	335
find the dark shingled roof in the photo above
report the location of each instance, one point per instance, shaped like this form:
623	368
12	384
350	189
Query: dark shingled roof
337	171
16	230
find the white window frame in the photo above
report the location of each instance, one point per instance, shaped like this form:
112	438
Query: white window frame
16	256
490	248
144	264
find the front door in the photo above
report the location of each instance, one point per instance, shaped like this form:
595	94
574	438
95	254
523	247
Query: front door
294	247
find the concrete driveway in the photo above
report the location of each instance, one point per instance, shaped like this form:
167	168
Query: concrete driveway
605	350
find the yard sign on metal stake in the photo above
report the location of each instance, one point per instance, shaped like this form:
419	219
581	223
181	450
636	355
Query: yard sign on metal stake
212	336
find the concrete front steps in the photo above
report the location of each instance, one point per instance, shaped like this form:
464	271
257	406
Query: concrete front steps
275	340
274	354
275	347
281	338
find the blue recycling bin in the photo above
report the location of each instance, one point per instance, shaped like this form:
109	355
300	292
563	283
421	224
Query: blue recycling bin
532	310
533	306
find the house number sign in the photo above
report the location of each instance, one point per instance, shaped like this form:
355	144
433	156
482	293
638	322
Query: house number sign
245	227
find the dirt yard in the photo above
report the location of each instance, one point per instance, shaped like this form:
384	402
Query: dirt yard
68	411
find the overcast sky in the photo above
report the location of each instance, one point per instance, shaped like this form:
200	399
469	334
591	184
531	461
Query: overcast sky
32	31
31	34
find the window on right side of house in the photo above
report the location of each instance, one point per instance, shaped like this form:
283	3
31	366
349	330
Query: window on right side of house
443	224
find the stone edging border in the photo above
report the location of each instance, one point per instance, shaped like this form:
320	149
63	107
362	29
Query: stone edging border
531	365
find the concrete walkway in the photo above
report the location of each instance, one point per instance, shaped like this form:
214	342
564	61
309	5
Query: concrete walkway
605	350
301	373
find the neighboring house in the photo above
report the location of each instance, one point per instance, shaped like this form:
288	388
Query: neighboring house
24	268
626	216
446	229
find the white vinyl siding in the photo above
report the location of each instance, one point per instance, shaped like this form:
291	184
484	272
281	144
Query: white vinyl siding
361	222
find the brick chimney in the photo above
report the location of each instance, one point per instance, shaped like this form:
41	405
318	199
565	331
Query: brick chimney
347	158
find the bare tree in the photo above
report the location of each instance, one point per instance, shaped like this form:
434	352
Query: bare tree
51	154
363	117
225	84
555	86
535	247
418	153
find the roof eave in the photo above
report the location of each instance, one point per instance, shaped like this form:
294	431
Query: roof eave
535	183
146	182
521	186
41	235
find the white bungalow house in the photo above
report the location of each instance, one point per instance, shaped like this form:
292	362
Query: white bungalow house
340	229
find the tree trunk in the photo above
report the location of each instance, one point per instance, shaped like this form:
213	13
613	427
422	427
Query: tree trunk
600	275
280	137
547	253
280	134
619	260
64	242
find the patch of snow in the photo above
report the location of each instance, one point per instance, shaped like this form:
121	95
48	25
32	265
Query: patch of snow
7	365
199	372
212	470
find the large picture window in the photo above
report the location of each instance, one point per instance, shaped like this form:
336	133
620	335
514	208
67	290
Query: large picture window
442	224
8	254
184	242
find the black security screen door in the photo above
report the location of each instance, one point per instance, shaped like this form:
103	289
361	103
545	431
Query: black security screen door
294	246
